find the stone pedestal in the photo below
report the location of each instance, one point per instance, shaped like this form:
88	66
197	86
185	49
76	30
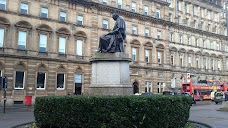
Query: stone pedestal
110	74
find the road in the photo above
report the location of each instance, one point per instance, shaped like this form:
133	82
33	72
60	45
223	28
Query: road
206	112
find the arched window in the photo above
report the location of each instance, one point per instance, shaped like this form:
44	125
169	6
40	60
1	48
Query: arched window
44	32
135	44
23	29
41	77
80	47
78	81
60	78
4	23
148	52
63	34
160	53
19	77
135	87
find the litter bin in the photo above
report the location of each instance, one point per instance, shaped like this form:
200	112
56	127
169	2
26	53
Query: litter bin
28	100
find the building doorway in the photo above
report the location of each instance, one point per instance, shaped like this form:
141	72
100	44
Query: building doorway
78	84
135	87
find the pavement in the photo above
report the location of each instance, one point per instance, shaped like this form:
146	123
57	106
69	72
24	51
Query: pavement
15	115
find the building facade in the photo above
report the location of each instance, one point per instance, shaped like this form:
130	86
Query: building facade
198	40
46	45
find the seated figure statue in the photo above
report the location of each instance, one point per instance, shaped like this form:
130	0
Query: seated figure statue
114	41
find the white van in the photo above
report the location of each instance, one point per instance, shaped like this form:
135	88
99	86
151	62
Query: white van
212	96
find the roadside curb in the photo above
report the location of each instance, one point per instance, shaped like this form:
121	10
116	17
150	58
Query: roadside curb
201	124
20	125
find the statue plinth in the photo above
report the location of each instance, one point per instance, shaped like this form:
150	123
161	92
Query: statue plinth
110	74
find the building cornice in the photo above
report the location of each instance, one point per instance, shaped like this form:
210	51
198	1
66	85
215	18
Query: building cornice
100	6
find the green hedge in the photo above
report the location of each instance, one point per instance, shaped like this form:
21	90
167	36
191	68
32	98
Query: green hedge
112	111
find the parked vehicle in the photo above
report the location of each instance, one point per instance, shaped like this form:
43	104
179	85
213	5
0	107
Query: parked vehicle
226	96
219	97
187	94
169	93
147	93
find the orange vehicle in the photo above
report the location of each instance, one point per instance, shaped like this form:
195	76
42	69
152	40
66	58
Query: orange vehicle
203	88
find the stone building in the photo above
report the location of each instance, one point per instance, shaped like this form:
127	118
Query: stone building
45	45
198	40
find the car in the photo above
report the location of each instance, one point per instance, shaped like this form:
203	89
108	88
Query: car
187	94
147	94
219	97
226	95
169	93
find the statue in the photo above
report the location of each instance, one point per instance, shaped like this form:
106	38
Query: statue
114	41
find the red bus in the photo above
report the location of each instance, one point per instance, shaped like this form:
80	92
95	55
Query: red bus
202	90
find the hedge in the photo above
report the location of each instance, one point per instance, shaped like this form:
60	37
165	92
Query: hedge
112	111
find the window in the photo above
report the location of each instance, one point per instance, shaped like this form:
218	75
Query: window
197	42
194	10
170	17
62	45
180	37
215	17
160	86
208	15
148	86
159	57
43	43
194	22
119	3
147	32
204	44
172	59
157	13
24	8
181	61
179	5
134	29
189	61
202	12
145	10
104	2
78	84
134	54
186	8
219	65
159	35
79	20
217	46
211	45
208	27
205	63
22	40
147	56
44	12
197	63
19	80
79	47
60	80
2	4
62	16
189	40
40	81
170	3
212	64
171	37
105	24
215	29
133	7
2	37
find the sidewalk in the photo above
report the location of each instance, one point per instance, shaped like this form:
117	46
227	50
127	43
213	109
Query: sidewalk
15	115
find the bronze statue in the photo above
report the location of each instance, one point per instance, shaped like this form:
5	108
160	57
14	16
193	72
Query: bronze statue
114	41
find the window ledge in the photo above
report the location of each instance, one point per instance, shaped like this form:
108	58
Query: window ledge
133	34
40	88
43	53
18	88
60	88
